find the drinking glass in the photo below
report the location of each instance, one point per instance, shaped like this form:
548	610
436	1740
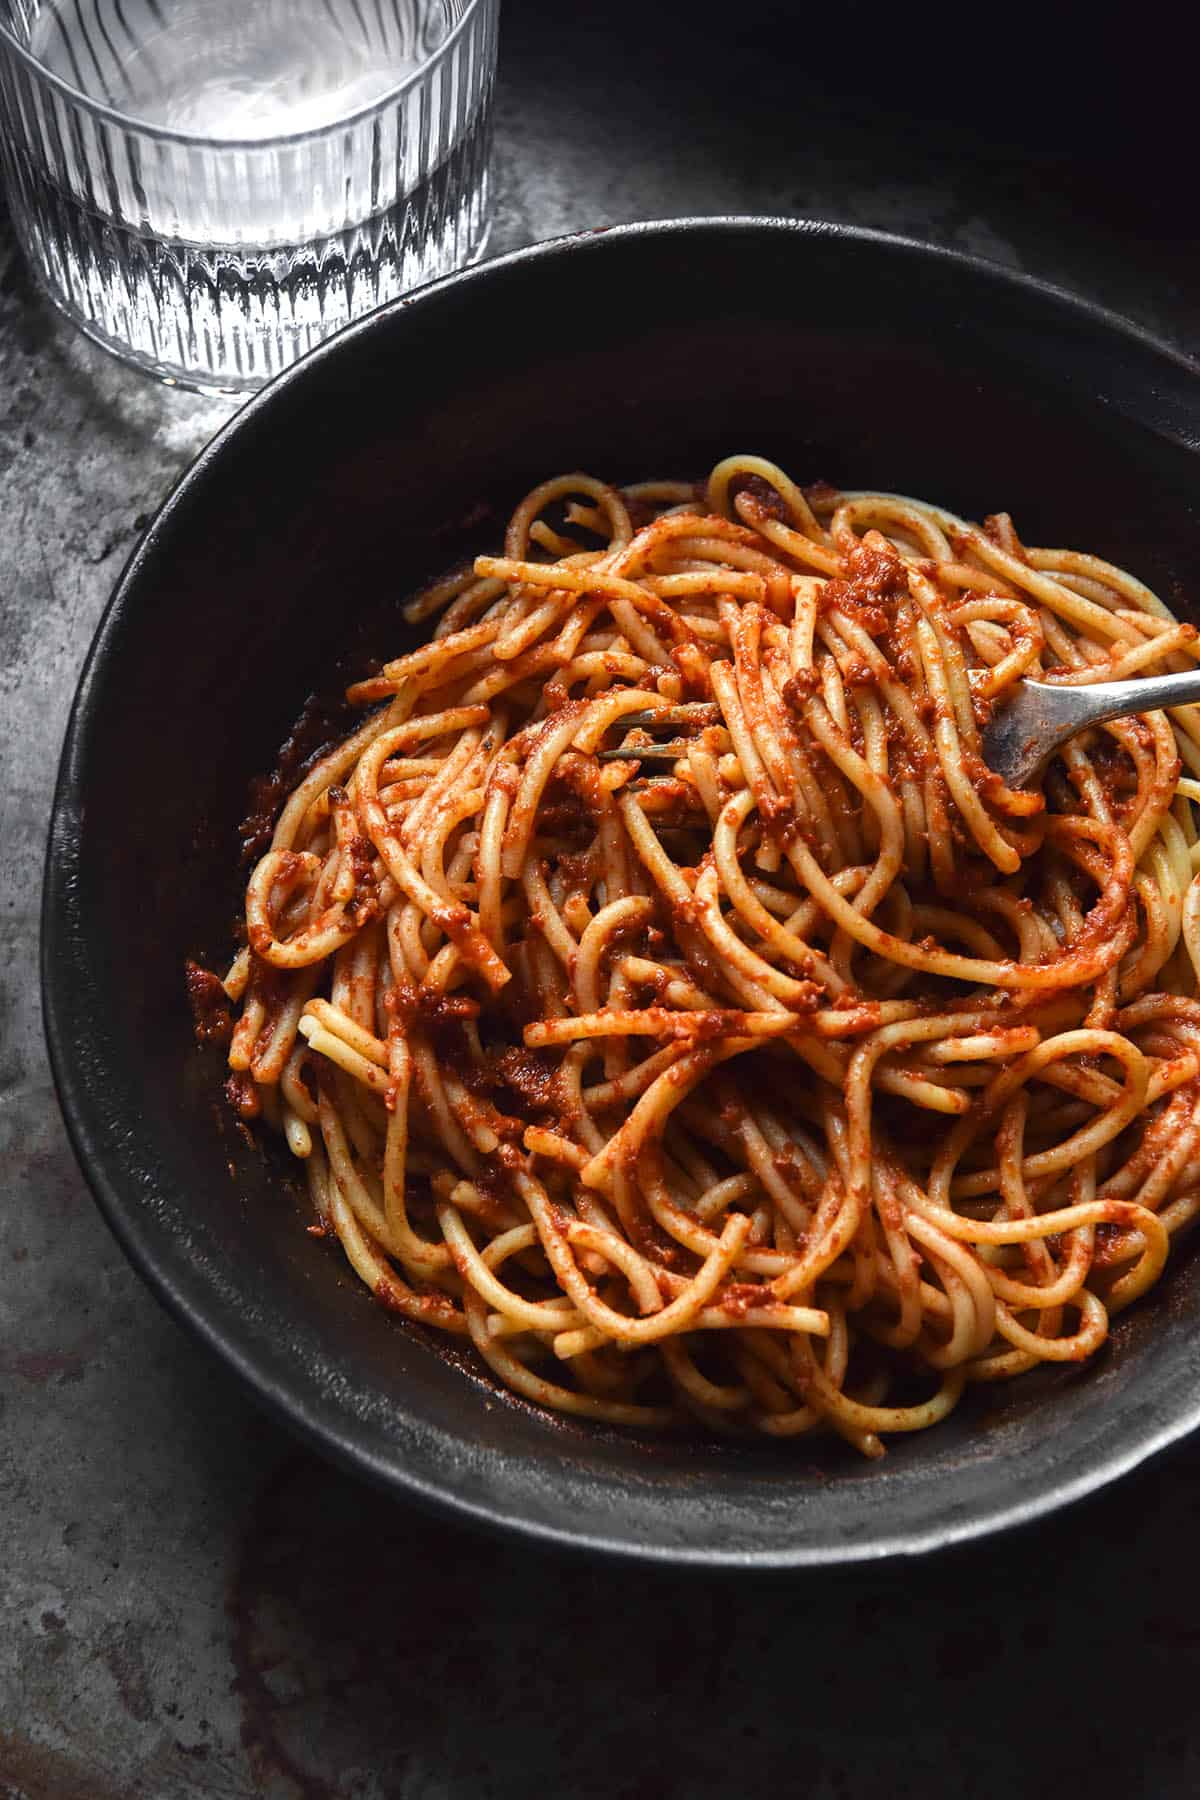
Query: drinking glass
210	187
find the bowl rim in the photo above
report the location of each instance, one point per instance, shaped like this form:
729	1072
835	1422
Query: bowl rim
290	1401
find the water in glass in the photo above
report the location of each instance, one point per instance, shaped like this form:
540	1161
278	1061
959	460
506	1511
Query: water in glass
250	176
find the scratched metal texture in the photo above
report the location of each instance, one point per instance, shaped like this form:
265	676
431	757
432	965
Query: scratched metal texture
190	1606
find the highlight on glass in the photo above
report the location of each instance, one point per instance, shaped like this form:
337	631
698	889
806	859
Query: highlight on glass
210	188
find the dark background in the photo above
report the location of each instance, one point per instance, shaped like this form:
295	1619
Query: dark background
189	1605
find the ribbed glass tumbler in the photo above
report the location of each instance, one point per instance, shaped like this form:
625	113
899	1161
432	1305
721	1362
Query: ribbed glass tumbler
211	187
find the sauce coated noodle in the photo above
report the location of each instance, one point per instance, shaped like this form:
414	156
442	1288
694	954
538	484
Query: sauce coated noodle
790	1087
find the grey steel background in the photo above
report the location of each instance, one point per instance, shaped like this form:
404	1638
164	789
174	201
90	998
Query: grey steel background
189	1605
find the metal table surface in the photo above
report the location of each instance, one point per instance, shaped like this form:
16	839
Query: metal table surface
189	1605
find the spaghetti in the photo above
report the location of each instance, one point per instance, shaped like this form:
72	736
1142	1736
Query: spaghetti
796	1088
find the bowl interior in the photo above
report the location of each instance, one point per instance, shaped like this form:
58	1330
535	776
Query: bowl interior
389	455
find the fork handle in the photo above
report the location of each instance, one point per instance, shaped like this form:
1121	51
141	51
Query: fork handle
1094	703
1044	715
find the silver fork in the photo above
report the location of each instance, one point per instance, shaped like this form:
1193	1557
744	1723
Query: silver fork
1016	742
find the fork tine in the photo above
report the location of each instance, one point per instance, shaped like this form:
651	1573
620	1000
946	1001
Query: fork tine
669	752
694	713
697	712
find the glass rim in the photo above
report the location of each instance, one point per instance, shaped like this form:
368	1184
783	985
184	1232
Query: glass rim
129	123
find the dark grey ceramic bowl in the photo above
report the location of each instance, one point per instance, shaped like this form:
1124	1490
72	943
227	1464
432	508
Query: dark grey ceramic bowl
374	464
